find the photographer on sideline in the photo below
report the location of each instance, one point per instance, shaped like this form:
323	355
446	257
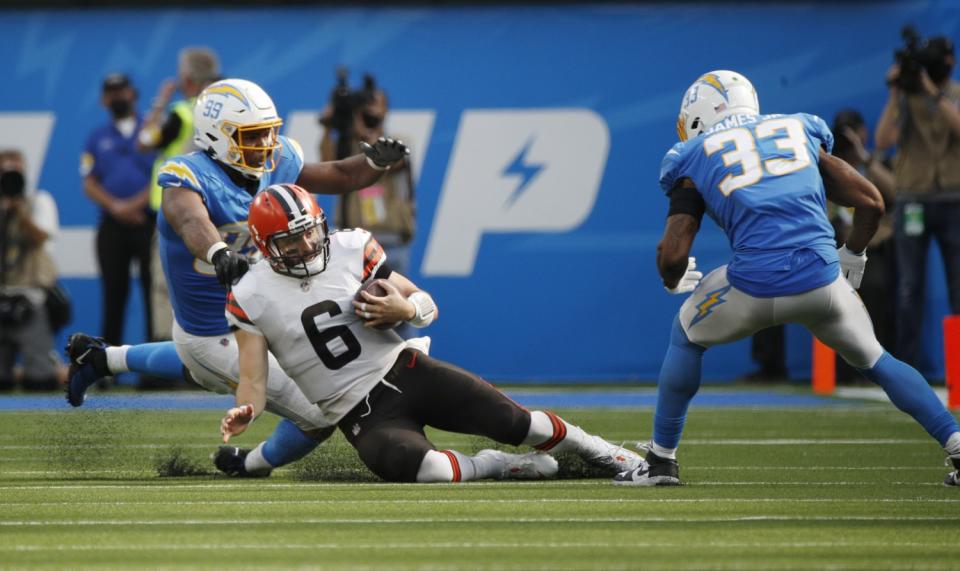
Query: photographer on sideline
922	118
387	209
27	223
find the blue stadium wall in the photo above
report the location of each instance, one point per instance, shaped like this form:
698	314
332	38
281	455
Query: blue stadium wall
538	130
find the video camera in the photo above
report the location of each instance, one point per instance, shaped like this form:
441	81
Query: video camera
918	54
12	184
345	102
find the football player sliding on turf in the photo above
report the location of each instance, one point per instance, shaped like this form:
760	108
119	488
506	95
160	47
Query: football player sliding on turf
204	247
765	180
380	390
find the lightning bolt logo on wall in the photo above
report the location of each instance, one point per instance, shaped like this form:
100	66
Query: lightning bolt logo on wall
526	170
515	171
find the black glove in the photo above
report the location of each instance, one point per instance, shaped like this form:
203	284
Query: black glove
230	267
385	152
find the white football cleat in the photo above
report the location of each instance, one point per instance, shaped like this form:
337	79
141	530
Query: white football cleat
530	466
599	452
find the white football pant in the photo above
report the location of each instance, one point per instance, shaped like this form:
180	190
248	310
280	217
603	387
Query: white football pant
214	362
717	313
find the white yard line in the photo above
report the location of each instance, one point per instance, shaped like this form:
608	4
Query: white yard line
220	522
468	545
933	466
804	441
72	473
212	444
473	501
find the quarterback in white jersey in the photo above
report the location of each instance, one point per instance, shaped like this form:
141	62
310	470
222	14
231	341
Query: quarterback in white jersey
318	338
204	248
302	303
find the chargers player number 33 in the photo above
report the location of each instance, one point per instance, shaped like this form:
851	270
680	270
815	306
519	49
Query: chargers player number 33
787	134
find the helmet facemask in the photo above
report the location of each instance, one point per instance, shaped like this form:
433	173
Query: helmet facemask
301	251
253	148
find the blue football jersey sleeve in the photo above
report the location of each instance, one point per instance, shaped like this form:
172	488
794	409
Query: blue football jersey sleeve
178	172
818	129
670	168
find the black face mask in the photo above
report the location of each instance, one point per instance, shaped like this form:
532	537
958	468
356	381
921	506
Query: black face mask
120	108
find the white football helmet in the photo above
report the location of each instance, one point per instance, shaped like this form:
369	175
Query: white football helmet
712	97
237	124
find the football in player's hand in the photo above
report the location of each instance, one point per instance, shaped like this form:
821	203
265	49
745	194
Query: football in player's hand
374	287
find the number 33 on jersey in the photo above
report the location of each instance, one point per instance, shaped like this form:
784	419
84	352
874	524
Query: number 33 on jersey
759	177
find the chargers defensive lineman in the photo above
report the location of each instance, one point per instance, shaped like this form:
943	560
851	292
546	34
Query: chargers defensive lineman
379	389
205	246
764	179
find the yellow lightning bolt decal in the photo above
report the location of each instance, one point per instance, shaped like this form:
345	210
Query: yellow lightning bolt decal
180	171
705	307
713	81
228	90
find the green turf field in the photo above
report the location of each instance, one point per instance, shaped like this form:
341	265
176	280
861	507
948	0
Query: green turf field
840	488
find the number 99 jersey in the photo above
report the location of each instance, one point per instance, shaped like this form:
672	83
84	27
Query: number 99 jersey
760	182
195	294
312	328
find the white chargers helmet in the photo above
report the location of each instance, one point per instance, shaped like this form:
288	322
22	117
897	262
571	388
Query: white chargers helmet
236	123
712	97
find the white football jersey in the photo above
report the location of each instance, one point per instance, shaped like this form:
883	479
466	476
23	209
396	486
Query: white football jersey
311	326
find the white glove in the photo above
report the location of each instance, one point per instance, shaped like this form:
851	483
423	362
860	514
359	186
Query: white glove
690	280
852	265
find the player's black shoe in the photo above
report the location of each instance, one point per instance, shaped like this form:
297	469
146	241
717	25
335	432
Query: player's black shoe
230	461
88	363
953	478
654	471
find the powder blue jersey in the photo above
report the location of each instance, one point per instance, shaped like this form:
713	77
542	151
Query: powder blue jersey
195	294
760	180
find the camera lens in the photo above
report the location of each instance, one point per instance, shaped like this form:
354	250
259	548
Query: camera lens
371	120
12	183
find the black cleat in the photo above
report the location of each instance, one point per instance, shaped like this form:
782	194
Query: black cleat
230	461
88	363
654	471
953	478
